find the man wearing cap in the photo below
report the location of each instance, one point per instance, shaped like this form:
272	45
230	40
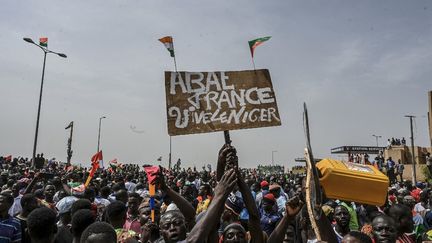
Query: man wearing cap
269	216
264	190
231	213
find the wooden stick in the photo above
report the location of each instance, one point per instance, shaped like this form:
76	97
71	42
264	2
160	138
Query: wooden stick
309	205
227	137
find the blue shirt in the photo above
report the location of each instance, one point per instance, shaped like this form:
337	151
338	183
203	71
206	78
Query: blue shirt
269	221
10	230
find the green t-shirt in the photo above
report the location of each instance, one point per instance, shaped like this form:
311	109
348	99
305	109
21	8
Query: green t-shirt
353	224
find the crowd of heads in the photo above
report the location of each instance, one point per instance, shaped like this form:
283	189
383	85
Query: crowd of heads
396	142
230	204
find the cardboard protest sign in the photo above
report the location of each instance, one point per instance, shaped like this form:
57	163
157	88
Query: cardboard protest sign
202	102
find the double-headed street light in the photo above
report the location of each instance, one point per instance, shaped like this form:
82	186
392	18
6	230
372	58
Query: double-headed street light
376	138
45	50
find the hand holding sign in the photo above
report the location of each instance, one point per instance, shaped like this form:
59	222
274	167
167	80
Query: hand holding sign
227	159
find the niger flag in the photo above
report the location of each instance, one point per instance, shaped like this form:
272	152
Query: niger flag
43	41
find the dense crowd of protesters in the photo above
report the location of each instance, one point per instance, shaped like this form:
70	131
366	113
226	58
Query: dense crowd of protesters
230	204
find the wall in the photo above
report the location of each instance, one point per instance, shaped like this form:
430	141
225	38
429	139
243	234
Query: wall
404	154
407	175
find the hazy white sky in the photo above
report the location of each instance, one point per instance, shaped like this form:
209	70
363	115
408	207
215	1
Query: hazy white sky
359	65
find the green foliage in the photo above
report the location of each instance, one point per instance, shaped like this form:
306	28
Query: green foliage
271	169
426	173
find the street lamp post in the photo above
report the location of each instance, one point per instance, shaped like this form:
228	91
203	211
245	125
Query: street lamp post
100	121
273	156
46	51
376	138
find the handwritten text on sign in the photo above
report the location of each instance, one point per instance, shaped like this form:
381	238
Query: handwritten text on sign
200	102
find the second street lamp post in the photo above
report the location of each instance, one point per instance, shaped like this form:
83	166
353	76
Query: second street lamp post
376	138
273	157
100	121
46	51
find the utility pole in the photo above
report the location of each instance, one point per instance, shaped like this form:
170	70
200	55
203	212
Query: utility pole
414	177
430	116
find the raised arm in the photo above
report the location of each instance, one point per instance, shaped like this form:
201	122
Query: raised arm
293	207
254	217
32	183
184	206
203	228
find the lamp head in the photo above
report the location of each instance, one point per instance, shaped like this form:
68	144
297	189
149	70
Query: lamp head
29	40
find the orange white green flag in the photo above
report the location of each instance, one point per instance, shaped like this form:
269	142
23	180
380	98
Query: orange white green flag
254	43
43	41
168	43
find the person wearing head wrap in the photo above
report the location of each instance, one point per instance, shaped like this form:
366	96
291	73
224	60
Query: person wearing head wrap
280	196
234	232
269	216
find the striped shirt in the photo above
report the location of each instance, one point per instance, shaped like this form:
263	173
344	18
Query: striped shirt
10	230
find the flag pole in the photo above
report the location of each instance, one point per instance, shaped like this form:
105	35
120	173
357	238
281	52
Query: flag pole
253	62
175	62
170	140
